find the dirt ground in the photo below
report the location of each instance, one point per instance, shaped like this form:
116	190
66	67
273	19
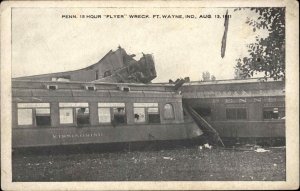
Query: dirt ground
179	164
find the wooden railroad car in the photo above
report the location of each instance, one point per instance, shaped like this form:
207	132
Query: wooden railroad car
49	113
115	67
240	109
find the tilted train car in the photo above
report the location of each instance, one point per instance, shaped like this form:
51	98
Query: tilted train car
251	109
47	113
115	67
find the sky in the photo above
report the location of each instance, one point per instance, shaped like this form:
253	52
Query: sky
44	42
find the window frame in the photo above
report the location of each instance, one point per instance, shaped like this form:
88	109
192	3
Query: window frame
73	116
74	106
236	114
33	106
113	116
32	118
273	107
76	116
35	112
110	116
173	112
158	113
111	106
146	106
145	113
52	87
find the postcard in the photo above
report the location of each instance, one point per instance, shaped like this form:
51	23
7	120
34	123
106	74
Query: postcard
149	95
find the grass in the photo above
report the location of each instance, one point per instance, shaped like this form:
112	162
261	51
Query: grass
179	164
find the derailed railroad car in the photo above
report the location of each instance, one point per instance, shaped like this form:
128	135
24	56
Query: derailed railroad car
47	113
249	110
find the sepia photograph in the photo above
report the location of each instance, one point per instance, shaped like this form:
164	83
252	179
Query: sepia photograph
149	95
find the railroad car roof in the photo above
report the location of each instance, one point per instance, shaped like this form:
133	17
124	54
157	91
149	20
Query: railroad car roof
30	83
21	88
233	88
231	81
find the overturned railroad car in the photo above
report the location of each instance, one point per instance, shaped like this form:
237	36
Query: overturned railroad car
115	67
49	113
